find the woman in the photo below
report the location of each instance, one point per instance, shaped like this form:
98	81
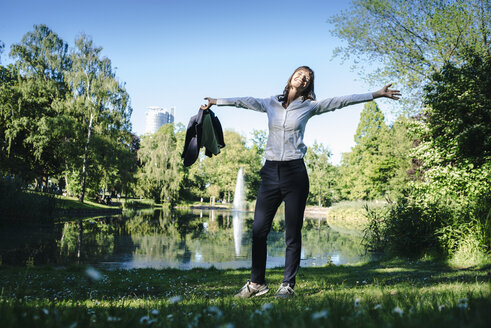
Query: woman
284	176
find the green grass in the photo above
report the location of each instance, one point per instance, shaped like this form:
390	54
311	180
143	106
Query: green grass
389	294
66	203
350	214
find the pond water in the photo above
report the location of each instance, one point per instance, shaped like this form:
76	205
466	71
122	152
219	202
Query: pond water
182	239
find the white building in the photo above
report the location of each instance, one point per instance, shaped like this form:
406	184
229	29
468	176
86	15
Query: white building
155	117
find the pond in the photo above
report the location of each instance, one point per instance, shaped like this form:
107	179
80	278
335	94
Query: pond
181	239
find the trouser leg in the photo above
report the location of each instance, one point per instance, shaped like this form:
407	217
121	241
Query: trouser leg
295	189
268	200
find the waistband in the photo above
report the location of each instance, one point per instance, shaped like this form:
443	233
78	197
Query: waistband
284	163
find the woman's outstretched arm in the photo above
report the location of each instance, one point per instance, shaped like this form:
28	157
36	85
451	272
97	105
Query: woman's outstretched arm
240	102
331	104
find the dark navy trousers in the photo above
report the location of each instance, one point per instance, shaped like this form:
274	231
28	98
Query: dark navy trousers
280	181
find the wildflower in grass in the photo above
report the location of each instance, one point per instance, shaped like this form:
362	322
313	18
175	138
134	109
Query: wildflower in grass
154	312
463	303
320	315
93	273
267	306
357	302
45	311
213	310
398	310
175	299
113	319
377	307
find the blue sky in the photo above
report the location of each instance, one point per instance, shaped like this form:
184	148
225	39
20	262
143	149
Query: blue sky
176	52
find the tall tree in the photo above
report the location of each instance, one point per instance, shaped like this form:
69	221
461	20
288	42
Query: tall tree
102	99
36	84
365	170
411	39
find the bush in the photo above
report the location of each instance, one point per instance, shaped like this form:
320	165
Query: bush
416	226
17	203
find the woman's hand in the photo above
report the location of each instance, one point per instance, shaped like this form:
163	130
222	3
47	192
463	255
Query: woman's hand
211	101
386	92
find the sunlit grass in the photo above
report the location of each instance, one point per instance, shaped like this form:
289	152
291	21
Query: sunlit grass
64	202
396	294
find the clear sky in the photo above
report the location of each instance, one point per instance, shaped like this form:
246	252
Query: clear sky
176	52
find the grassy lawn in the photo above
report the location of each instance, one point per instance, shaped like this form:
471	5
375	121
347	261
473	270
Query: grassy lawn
388	294
66	203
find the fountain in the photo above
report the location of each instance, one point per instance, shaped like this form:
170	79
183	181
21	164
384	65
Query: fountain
239	197
239	205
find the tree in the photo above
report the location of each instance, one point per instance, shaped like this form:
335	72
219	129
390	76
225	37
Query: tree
321	173
458	113
30	91
411	39
159	173
100	98
376	163
221	170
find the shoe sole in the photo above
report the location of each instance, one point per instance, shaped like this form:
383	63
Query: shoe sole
262	292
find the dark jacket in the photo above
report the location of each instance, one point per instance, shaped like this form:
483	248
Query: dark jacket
205	132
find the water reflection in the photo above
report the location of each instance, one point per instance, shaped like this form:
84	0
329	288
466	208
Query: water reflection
159	239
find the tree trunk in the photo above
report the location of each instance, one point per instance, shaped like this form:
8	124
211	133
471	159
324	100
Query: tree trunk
320	205
86	153
67	186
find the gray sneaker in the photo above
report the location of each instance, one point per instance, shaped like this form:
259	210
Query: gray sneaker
250	290
285	291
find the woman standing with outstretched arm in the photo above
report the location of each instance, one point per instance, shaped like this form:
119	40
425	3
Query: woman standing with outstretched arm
284	176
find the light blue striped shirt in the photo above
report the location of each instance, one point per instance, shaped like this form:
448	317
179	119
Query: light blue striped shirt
287	126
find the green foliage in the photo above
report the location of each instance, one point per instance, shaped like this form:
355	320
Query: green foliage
321	174
221	170
447	210
54	104
458	115
411	39
377	165
159	173
259	140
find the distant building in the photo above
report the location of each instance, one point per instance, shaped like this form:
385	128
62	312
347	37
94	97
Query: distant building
156	117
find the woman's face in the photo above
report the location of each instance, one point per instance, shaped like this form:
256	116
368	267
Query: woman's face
300	79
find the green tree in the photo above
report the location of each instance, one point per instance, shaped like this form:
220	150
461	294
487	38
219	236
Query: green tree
221	170
321	173
411	39
458	114
367	169
100	99
30	92
159	174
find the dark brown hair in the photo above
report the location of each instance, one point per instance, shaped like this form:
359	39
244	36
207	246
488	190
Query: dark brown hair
308	93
